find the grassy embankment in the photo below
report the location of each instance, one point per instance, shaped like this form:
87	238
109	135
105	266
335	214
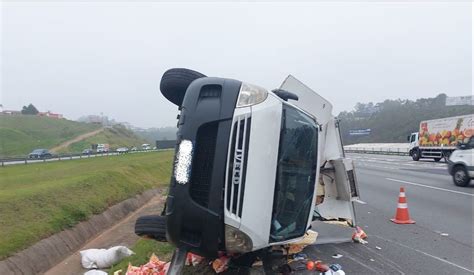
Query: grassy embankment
38	200
20	134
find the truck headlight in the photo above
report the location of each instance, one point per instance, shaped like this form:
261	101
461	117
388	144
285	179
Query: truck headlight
182	166
250	95
237	241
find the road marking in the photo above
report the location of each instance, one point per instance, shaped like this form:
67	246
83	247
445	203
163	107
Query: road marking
427	254
432	187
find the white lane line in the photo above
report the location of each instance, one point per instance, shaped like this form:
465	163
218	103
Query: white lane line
426	254
432	187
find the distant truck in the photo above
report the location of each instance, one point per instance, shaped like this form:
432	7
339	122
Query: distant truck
102	148
438	138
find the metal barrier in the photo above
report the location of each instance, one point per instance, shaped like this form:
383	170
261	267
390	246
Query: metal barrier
379	151
71	156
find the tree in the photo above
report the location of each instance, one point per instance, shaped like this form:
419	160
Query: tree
29	110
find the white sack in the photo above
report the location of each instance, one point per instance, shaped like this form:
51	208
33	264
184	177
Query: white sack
104	258
95	272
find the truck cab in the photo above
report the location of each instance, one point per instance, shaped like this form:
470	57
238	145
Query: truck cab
413	140
461	163
248	163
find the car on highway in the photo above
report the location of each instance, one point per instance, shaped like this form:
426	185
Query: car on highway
40	154
87	151
461	163
102	148
133	149
146	146
249	164
122	150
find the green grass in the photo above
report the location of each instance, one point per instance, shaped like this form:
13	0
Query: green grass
115	137
20	134
143	249
38	200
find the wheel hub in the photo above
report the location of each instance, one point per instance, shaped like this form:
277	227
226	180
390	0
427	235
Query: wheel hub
459	176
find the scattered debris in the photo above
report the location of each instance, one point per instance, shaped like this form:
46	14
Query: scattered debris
359	235
193	259
221	264
372	260
378	247
335	269
154	266
309	238
337	256
104	258
317	266
444	234
299	257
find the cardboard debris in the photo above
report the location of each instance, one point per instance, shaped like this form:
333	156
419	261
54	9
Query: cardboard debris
340	223
309	238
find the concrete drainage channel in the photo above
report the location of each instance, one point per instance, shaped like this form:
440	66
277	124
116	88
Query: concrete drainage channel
48	252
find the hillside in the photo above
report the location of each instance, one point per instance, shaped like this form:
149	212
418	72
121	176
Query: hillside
393	120
20	134
116	136
154	134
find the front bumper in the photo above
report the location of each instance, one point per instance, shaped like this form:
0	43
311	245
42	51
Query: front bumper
194	209
450	167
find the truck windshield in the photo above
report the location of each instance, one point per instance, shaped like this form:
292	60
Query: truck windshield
296	172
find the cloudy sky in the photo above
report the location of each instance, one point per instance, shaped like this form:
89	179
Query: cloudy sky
92	58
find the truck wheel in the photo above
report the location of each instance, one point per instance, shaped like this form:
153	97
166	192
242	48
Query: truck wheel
416	155
175	82
152	226
437	159
460	176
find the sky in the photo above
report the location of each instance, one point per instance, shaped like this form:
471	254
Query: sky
85	58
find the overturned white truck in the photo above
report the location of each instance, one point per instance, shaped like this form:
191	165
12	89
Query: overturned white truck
247	166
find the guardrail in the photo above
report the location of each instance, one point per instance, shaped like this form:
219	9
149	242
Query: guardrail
379	151
71	156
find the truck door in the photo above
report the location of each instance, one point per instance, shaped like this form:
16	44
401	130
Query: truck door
336	184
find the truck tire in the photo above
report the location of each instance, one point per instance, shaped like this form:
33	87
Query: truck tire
416	155
460	176
175	82
151	226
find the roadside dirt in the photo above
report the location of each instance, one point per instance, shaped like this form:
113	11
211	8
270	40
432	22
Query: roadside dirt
120	234
74	140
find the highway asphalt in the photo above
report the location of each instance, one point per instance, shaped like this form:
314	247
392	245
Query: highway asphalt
441	241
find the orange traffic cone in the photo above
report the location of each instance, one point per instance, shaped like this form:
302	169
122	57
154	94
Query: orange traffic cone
402	216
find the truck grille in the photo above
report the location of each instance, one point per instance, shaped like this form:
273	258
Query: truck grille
237	165
203	162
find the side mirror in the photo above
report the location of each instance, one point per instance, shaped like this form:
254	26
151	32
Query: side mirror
285	95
